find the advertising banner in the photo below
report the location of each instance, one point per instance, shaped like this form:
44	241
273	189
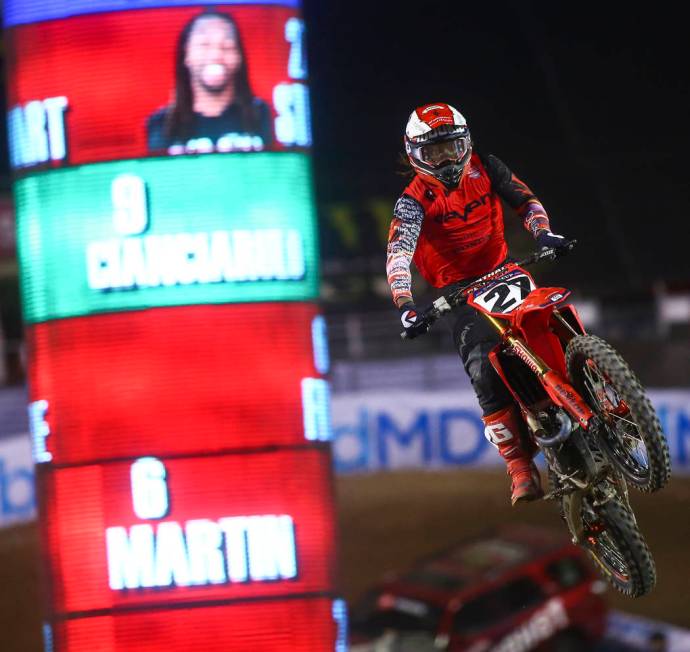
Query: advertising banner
443	429
632	632
17	487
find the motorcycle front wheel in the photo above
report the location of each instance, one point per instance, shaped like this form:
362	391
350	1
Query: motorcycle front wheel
630	435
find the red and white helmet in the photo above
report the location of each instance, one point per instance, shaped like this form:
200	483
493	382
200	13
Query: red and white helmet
438	143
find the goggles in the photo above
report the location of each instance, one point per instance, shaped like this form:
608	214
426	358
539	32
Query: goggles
453	150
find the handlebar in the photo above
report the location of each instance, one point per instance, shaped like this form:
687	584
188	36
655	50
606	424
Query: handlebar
547	253
458	296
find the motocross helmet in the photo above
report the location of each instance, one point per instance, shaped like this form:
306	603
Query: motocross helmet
438	143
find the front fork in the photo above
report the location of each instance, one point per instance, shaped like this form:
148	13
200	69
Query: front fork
563	395
558	389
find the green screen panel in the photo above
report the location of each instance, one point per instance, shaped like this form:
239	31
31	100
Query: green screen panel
163	232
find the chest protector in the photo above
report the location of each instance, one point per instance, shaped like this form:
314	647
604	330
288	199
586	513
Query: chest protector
462	232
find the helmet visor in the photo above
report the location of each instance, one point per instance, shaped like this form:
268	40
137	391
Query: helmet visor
444	151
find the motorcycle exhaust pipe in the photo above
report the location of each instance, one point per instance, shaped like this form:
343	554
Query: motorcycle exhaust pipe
564	430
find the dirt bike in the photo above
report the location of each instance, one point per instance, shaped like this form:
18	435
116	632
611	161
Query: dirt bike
583	408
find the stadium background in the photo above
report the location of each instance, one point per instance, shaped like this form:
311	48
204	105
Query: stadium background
588	105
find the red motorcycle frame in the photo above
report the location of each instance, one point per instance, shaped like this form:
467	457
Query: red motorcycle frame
535	323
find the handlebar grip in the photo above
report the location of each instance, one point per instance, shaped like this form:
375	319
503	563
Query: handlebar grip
420	328
565	249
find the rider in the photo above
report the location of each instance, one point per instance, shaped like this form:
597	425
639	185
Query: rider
449	222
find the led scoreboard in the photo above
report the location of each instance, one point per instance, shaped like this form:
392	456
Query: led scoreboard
177	362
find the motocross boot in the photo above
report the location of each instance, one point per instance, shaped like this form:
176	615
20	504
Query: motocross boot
503	429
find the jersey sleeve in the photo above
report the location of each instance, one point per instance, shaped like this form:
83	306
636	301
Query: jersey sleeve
405	228
516	194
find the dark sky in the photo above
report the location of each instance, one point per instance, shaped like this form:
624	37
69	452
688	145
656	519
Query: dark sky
587	102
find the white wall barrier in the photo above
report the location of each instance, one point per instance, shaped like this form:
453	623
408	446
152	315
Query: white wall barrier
635	632
17	494
376	432
394	430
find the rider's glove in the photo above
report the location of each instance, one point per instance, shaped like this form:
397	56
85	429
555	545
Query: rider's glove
546	240
409	319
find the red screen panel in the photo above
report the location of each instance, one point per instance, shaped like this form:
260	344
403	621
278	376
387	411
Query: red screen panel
226	520
297	625
173	380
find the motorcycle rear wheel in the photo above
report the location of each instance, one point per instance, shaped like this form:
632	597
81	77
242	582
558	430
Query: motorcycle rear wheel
630	435
612	538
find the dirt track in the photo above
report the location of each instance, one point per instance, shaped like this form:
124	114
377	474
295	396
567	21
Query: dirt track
389	520
386	521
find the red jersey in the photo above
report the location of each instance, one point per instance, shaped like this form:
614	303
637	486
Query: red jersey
456	234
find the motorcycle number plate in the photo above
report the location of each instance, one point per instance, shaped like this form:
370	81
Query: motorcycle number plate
506	294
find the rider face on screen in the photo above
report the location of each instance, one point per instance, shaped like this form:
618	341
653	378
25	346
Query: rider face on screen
213	106
213	59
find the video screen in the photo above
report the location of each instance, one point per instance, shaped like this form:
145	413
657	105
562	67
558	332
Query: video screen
179	407
157	82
